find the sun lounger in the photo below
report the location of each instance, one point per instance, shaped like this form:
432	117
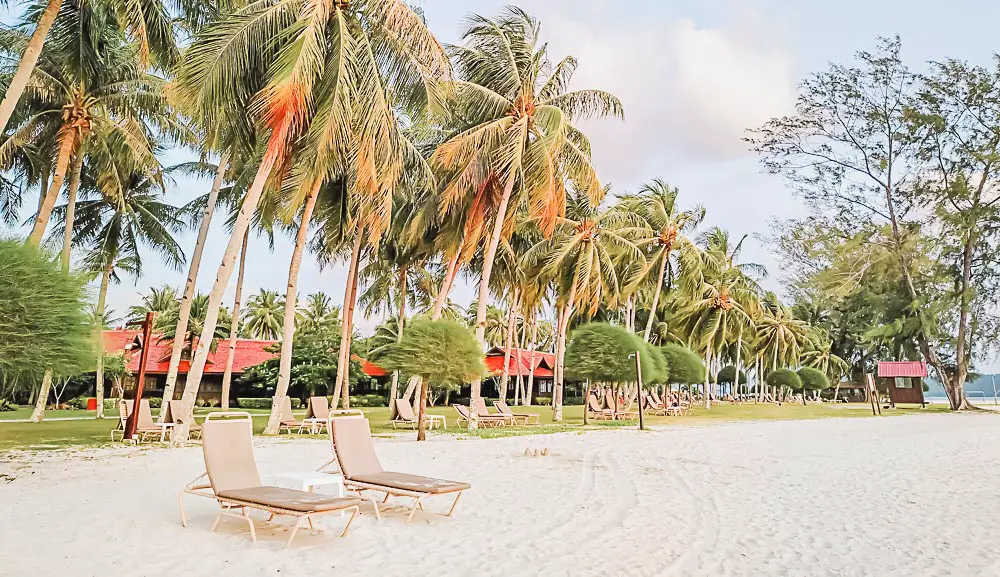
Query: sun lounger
288	421
355	456
652	407
145	427
178	413
493	421
233	480
483	413
596	411
619	412
405	416
523	418
317	414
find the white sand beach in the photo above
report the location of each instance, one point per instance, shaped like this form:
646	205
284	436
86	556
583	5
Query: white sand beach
839	497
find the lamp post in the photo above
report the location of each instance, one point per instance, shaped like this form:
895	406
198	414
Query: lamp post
638	377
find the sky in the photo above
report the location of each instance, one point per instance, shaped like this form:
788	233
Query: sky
692	75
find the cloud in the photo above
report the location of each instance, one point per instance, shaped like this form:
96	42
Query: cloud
689	92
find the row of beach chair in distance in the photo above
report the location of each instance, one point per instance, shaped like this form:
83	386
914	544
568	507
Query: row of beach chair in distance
232	479
146	428
617	410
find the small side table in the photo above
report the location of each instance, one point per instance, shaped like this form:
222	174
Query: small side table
312	480
433	420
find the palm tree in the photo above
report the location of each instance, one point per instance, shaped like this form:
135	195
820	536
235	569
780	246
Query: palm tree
262	318
515	142
581	258
90	90
318	309
196	322
112	229
662	230
158	300
146	23
342	61
721	297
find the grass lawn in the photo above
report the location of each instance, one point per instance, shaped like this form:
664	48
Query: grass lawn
91	432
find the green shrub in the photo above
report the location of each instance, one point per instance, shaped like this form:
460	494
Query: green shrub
600	352
79	403
813	379
368	401
7	406
728	375
785	378
262	403
544	401
572	401
685	367
44	323
654	365
442	352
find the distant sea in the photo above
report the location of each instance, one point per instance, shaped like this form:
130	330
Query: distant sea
979	391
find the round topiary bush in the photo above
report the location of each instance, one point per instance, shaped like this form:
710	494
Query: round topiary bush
44	322
813	379
601	352
785	378
728	375
654	367
685	367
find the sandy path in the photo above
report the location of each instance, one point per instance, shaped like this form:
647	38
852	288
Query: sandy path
838	497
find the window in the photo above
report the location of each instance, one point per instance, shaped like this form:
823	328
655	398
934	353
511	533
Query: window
904	383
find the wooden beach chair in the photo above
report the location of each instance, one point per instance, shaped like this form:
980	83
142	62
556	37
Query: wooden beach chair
234	481
483	413
405	416
288	420
598	412
524	418
178	413
653	408
317	414
618	411
145	427
465	417
355	456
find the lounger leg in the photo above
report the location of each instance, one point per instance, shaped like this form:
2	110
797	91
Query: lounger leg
310	519
378	514
218	518
253	531
416	505
454	504
295	529
180	503
354	513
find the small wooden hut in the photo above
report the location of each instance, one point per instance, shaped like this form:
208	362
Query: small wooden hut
904	380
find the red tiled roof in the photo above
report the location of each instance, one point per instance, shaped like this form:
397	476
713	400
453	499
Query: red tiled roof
520	362
248	353
369	368
902	369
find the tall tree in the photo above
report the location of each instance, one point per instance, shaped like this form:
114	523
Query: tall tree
339	60
516	144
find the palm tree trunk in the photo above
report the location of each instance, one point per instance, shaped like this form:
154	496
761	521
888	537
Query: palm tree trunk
449	279
43	398
508	340
74	188
184	314
28	60
288	322
99	382
484	287
67	141
234	326
563	326
249	206
519	386
422	410
739	345
656	297
344	359
708	376
530	386
400	321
